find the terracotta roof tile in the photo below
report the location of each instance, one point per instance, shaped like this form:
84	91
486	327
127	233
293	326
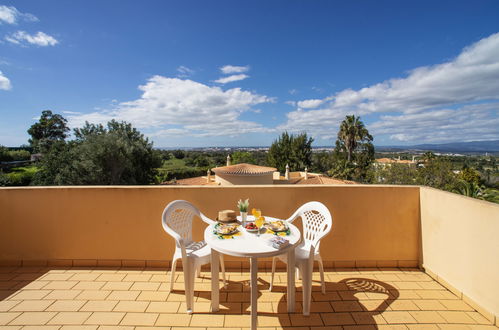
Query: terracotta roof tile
324	180
244	169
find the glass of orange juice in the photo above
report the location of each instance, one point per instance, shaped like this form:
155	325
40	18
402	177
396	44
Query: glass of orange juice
256	213
259	222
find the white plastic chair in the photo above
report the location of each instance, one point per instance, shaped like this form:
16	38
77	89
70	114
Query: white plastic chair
177	222
317	223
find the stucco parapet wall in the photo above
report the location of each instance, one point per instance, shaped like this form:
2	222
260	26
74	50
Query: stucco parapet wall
124	222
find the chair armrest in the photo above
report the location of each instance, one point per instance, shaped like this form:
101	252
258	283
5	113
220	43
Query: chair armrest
207	220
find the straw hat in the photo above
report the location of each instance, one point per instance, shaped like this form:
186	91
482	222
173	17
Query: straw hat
227	215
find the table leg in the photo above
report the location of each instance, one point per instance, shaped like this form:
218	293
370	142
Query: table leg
254	292
291	280
215	288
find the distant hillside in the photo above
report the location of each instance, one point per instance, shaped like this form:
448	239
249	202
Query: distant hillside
458	147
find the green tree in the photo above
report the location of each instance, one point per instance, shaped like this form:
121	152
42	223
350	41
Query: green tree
354	152
113	155
353	133
437	173
239	157
294	150
49	129
470	175
470	189
397	174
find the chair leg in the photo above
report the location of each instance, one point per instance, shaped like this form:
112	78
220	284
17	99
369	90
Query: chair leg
222	266
172	276
274	260
321	269
189	275
198	271
306	275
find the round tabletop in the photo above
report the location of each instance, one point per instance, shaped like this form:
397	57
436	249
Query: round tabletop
248	244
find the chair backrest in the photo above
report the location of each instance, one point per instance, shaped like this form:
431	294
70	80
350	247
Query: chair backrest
317	222
177	220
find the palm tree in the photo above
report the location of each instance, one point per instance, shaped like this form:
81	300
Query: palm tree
352	132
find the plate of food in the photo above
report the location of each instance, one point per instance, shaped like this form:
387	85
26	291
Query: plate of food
226	229
251	227
277	226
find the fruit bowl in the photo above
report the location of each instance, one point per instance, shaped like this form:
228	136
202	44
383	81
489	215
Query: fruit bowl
251	227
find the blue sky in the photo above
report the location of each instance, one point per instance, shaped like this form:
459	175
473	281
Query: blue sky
229	73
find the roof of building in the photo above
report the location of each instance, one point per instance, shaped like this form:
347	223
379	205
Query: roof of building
320	179
196	181
396	161
244	169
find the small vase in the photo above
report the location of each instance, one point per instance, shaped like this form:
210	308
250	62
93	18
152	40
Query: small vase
244	216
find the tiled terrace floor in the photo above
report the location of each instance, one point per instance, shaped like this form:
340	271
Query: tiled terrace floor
96	298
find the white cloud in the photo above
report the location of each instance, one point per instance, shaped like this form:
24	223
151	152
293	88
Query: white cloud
4	82
293	91
235	77
468	79
192	107
229	69
40	39
309	104
10	15
184	72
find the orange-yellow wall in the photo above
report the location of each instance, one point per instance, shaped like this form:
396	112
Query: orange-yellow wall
460	245
370	223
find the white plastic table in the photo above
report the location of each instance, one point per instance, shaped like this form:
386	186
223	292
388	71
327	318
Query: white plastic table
251	246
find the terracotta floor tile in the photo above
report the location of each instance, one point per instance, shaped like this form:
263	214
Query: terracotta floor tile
478	318
337	318
32	318
131	306
32	306
145	286
422	326
314	319
398	317
30	294
171	320
85	277
137	319
200	320
94	294
368	318
153	296
5	318
56	277
41	327
402	305
110	277
346	306
163	307
66	305
99	306
63	294
105	318
429	305
137	278
70	318
427	317
6	305
123	295
117	286
456	317
456	305
79	327
87	285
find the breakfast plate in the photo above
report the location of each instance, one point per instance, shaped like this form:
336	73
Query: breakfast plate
226	229
277	226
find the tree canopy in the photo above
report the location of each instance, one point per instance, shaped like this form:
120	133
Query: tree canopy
113	155
294	150
49	129
354	151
